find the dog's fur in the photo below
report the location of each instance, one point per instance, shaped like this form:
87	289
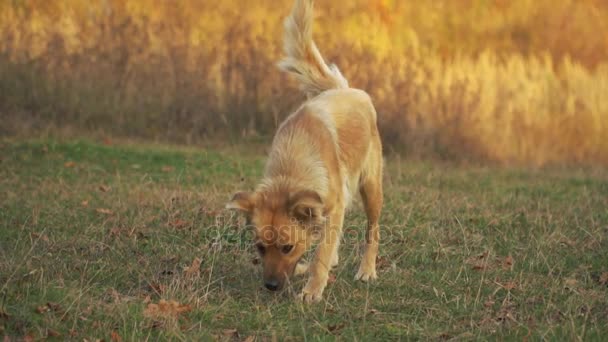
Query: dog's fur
328	149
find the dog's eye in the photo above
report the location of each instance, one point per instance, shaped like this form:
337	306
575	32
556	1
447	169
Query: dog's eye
261	248
286	249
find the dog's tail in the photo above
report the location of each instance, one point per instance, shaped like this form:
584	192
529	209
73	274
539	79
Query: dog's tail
303	59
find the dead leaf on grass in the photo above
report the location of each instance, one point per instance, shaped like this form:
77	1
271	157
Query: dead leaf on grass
194	269
507	263
604	278
179	224
249	339
42	237
334	328
230	333
167	168
84	203
510	285
104	188
69	164
166	309
104	211
48	307
52	333
115	337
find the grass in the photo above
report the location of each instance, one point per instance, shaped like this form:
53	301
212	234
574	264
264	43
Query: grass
93	233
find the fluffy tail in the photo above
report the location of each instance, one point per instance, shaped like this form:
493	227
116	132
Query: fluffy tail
303	59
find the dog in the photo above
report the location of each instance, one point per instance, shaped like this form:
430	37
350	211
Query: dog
320	155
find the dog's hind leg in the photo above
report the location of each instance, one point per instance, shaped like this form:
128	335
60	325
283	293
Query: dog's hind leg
371	194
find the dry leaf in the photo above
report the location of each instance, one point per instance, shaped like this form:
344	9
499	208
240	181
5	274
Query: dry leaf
107	141
604	278
167	168
115	231
42	237
230	333
52	333
194	269
104	211
489	303
115	337
84	203
479	267
28	338
104	188
334	328
507	263
510	285
166	309
178	224
69	164
249	339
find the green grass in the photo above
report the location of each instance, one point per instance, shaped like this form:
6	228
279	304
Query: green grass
444	270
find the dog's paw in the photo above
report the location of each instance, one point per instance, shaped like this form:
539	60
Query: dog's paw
301	268
311	294
366	274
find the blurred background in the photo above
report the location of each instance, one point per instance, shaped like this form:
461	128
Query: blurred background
518	82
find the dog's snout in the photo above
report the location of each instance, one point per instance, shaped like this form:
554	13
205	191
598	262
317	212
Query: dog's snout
272	284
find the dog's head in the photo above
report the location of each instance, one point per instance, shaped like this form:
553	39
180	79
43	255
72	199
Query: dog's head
285	226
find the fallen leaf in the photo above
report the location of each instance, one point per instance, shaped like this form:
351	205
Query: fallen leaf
478	267
73	333
230	333
104	188
510	285
570	284
115	231
69	164
604	278
194	269
249	339
28	338
42	237
334	328
167	168
104	211
52	333
165	308
179	224
507	263
107	141
159	289
373	312
115	337
84	203
48	307
489	303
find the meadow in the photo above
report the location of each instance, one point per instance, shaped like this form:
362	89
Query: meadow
120	241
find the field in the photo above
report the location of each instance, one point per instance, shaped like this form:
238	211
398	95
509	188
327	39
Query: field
514	82
96	233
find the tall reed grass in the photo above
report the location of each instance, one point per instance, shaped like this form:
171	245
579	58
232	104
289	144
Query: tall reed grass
507	81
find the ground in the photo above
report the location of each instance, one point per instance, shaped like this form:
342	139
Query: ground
129	241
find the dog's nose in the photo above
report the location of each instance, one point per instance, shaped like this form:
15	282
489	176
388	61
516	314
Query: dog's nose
272	285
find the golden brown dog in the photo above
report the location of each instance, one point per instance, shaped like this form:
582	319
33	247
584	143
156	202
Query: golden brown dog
321	154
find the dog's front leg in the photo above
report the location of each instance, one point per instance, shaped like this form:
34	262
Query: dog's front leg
321	264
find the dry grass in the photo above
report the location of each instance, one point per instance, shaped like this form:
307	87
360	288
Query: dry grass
507	81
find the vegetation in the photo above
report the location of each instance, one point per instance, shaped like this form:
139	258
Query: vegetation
131	241
515	82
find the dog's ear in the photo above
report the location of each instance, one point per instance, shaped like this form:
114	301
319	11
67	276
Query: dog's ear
242	201
307	207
